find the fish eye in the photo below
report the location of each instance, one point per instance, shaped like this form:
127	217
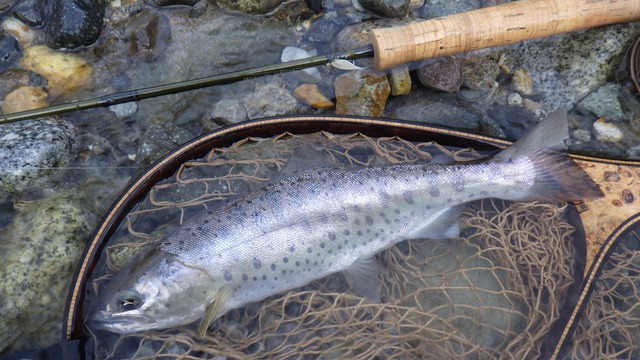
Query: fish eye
128	300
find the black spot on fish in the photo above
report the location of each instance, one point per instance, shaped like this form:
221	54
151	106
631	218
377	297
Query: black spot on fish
210	212
369	220
356	208
284	271
343	216
449	200
307	261
292	248
285	259
359	232
227	275
357	221
354	246
407	197
347	232
322	245
245	277
309	250
264	277
332	235
297	263
484	193
459	182
397	211
273	266
257	263
315	263
255	278
339	247
346	241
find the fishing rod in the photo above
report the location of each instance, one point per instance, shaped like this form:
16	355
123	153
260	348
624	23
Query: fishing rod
473	30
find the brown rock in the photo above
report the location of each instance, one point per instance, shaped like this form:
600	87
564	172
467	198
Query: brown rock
442	74
521	82
400	80
310	94
25	98
362	92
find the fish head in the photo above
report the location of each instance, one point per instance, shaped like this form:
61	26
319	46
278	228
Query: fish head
154	291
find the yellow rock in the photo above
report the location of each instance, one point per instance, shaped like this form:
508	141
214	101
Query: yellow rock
65	72
25	98
521	82
310	94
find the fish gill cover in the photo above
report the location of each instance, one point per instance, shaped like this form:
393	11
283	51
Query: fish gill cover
496	291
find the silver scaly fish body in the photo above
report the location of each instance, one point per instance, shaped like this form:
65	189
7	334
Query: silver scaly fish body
307	226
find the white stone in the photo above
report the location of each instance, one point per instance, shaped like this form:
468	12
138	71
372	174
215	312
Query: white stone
514	99
22	32
310	75
124	110
607	132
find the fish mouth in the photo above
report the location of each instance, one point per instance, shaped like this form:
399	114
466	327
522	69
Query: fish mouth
119	323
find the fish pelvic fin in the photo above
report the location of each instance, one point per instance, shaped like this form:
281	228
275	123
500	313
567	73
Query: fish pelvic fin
362	277
213	311
557	176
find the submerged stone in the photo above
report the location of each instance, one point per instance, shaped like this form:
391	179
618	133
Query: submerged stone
442	74
30	12
73	23
250	6
31	150
9	51
362	92
387	8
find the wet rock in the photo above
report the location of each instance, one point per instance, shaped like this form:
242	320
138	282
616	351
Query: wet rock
160	3
157	141
442	74
435	108
9	51
565	68
30	12
437	8
5	5
29	149
607	132
250	6
40	251
362	92
310	75
124	110
400	80
228	111
481	73
270	100
357	35
23	33
604	103
311	95
514	120
582	135
15	78
65	72
149	35
521	82
634	152
25	98
73	23
386	8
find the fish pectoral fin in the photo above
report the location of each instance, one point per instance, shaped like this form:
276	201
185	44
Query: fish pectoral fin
214	310
441	225
362	277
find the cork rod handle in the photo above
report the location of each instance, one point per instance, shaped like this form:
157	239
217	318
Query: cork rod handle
493	26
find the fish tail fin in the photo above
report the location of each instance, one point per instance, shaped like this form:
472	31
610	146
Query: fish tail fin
557	176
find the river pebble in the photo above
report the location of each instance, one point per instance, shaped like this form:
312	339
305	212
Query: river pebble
437	8
270	99
604	103
149	35
607	132
25	98
362	92
228	111
400	80
30	12
310	75
65	72
311	95
386	8
25	35
9	51
252	7
30	150
73	23
521	82
442	74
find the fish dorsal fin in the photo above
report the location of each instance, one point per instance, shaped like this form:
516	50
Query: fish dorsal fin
216	308
306	159
362	277
550	134
441	225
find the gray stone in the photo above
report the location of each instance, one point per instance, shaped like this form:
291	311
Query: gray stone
228	111
436	109
437	8
9	51
604	103
386	8
29	150
250	6
270	100
443	73
514	99
158	140
40	251
634	152
514	120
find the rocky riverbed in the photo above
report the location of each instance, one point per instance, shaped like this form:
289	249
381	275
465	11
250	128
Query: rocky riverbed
58	175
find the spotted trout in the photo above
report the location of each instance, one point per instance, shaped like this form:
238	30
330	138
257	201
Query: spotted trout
305	226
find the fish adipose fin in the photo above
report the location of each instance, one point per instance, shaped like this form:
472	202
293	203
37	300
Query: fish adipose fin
557	176
362	277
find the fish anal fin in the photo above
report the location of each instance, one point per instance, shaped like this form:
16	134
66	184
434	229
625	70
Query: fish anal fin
362	277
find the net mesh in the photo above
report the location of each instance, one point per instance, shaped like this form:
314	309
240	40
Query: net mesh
493	293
